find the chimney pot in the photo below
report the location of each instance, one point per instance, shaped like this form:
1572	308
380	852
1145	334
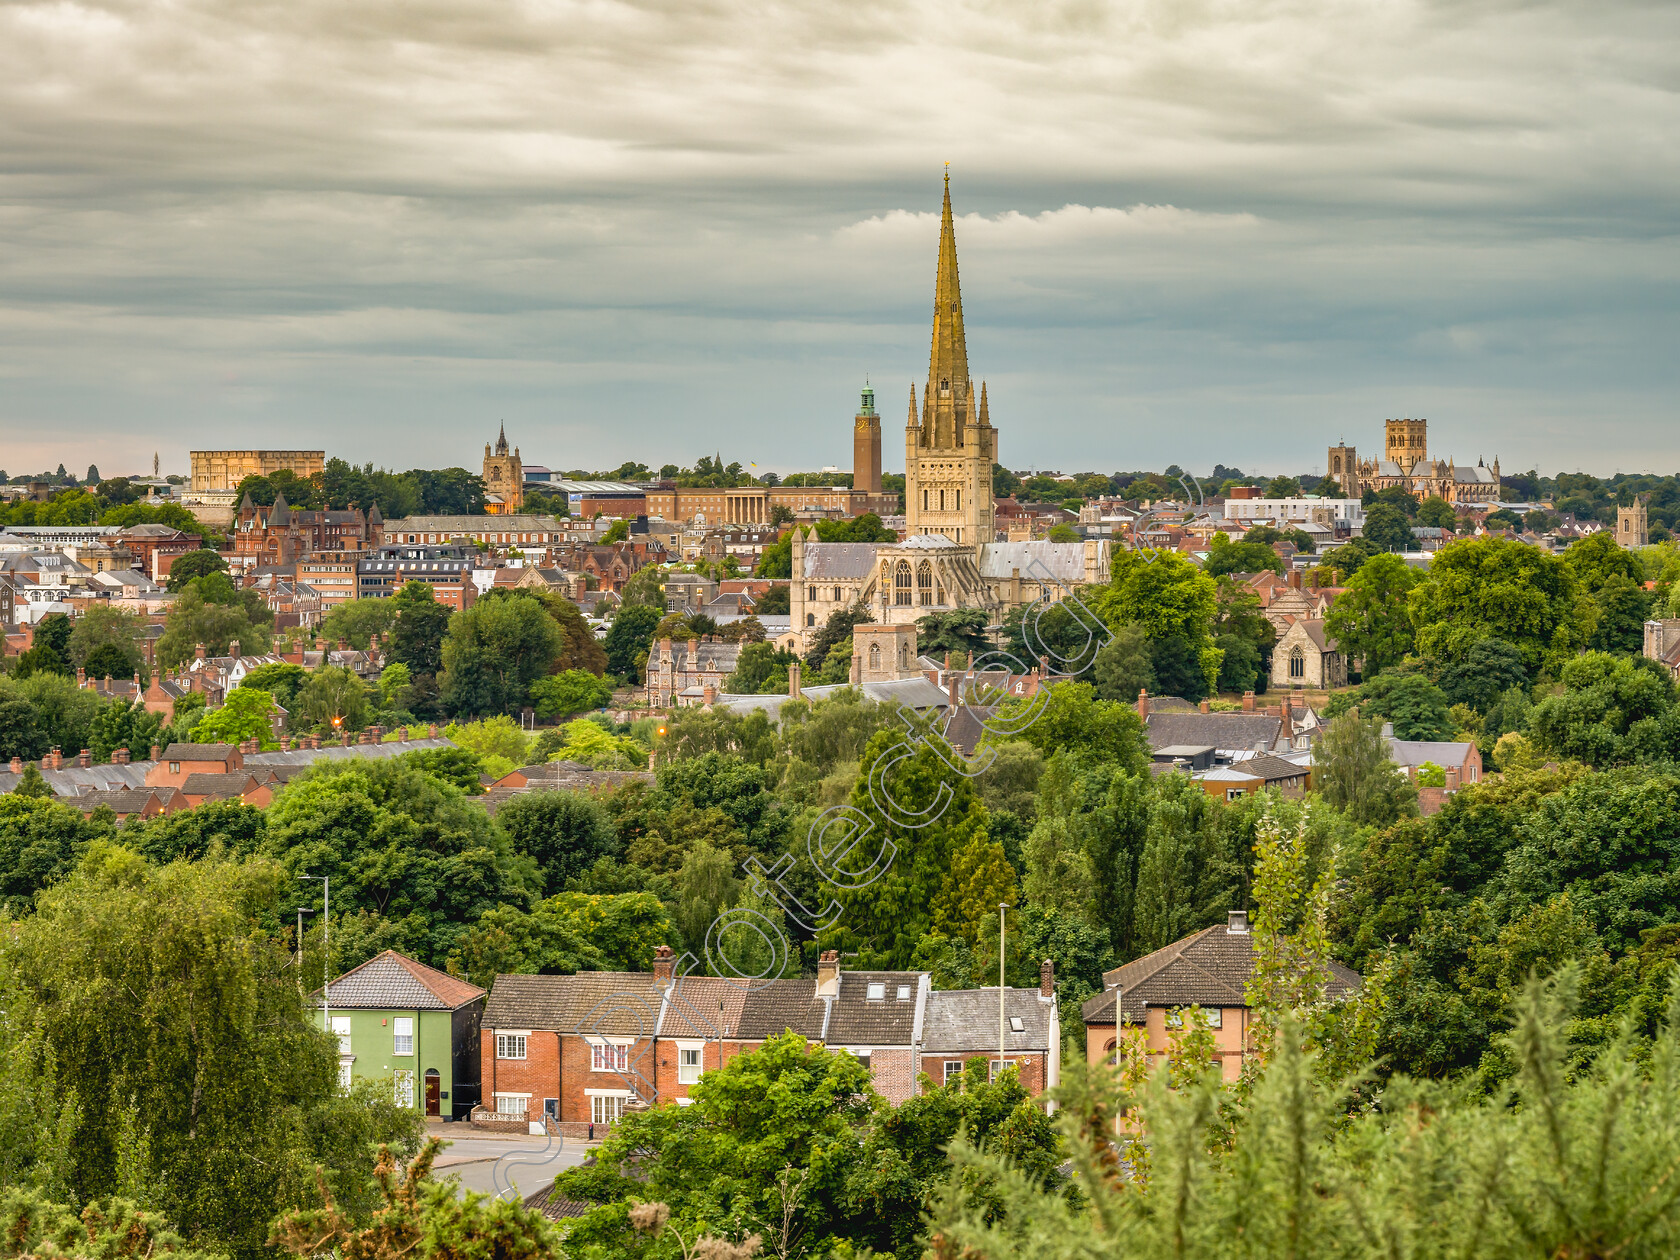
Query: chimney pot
17	765
1143	703
664	966
1205	707
198	651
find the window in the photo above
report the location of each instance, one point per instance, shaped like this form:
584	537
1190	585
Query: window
924	584
996	1066
605	1110
877	990
609	1058
901	584
174	767
1016	1024
510	1104
344	1074
689	1066
953	1070
903	993
402	1037
402	1087
874	657
1297	663
510	1045
341	1030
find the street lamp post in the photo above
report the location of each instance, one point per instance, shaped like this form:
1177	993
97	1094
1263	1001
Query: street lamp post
326	946
1002	906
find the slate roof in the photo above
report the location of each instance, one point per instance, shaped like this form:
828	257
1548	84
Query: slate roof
304	757
76	780
1222	730
963	1020
783	1005
857	1021
1059	562
1270	768
392	981
1206	968
852	561
1414	752
609	1003
198	752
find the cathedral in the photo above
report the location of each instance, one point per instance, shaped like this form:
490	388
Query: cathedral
949	557
1406	463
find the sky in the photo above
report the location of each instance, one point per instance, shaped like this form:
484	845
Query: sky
1190	231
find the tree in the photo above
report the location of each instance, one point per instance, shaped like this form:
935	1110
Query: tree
564	833
41	839
761	669
837	627
1186	879
245	714
335	697
105	642
1496	588
1369	619
193	564
1239	667
417	637
775	602
211	1004
1436	512
579	648
53	634
1072	719
193	619
1490	668
121	724
629	639
1613	711
1170	598
617	532
1387	529
568	692
356	621
962	631
19	734
1283	488
1123	666
282	680
1353	772
1225	556
494	651
1416	706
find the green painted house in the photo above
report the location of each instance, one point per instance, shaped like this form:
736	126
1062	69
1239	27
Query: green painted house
401	1021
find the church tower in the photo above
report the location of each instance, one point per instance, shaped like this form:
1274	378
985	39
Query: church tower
950	446
1632	528
504	478
866	446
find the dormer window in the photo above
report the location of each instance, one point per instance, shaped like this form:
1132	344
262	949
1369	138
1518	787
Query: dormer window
877	991
1016	1024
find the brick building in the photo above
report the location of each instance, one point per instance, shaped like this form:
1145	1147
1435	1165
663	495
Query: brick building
280	534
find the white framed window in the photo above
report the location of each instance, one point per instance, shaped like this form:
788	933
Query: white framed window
402	1038
903	993
997	1066
510	1045
953	1070
341	1030
402	1087
511	1104
877	991
605	1108
1017	1024
1215	1017
609	1058
344	1074
689	1064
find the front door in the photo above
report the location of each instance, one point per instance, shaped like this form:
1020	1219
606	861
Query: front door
434	1084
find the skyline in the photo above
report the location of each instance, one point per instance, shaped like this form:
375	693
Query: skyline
1185	236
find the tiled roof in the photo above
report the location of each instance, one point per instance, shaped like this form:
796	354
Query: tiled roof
392	981
220	785
610	1003
967	1019
124	801
1414	752
782	1006
858	1021
1270	768
1206	968
703	1006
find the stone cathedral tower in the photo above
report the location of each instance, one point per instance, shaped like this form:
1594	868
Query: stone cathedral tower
504	478
950	445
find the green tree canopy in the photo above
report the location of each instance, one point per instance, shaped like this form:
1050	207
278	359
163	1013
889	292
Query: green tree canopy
244	715
494	652
1612	711
1352	771
1369	620
1387	529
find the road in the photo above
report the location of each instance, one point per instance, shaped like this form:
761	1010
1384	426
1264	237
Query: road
528	1162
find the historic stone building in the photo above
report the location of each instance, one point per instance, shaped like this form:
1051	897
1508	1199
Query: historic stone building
1406	463
1632	529
949	557
950	446
504	478
280	534
214	471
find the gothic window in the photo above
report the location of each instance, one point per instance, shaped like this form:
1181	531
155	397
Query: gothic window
875	658
924	584
810	619
836	594
901	584
903	655
1297	663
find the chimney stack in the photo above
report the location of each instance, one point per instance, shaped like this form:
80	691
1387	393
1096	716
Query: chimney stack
793	680
828	973
1143	703
1248	702
1046	979
84	759
233	648
17	765
432	731
664	967
157	753
198	652
1205	708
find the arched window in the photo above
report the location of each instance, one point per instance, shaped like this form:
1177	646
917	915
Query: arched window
875	658
901	584
903	654
810	619
1297	663
924	584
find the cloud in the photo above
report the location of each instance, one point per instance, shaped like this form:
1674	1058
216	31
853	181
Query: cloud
632	226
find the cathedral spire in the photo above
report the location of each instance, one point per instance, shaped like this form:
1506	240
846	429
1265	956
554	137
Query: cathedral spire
914	418
501	440
948	361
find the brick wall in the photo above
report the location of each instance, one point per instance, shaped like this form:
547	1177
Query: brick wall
1033	1068
537	1074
